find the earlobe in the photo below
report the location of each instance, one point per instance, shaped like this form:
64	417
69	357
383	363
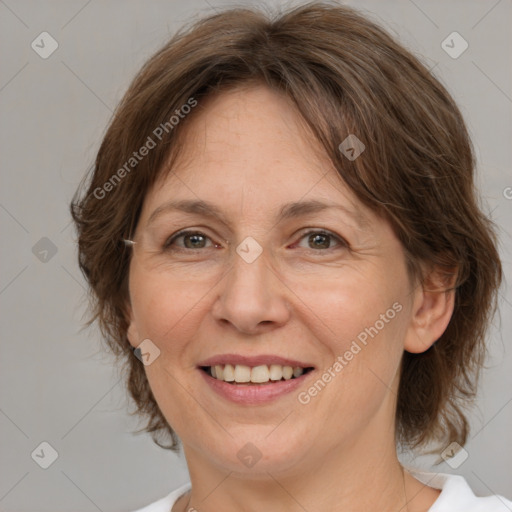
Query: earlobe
433	307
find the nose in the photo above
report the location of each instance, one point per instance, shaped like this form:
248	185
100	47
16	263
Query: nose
252	297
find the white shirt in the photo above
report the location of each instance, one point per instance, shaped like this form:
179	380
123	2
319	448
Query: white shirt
456	496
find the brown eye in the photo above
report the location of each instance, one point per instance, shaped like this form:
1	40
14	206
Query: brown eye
322	240
319	241
195	241
191	240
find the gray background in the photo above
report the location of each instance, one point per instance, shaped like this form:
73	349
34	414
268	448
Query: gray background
56	385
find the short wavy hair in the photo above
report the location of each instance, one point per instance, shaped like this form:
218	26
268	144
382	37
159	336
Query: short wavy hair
344	75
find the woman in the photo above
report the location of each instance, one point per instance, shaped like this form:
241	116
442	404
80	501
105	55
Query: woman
283	241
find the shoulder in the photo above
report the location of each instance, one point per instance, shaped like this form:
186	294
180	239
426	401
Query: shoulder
457	496
166	503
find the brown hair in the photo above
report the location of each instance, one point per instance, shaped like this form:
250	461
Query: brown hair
345	75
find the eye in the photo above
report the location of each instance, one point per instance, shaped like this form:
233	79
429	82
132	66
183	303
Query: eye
322	240
316	239
191	240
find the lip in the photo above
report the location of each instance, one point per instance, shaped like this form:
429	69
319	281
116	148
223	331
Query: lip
256	394
268	359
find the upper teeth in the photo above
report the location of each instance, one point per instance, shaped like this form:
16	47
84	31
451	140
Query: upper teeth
257	374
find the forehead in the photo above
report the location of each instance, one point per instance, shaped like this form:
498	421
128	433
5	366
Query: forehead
252	125
250	148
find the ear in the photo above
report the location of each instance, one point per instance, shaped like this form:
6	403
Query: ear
433	303
132	333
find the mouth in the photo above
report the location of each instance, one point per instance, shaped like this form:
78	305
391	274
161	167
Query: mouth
244	375
253	380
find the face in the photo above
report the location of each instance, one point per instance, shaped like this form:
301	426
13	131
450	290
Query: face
255	287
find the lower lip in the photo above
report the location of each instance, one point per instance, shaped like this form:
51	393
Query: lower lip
254	394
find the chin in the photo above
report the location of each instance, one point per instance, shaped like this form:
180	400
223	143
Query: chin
255	453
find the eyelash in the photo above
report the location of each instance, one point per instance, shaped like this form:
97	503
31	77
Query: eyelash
173	238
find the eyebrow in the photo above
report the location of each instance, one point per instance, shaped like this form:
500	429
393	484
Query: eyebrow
287	211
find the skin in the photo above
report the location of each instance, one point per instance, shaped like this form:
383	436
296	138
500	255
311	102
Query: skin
248	152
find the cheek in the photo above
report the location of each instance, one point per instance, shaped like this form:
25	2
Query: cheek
358	323
362	336
168	313
163	307
356	306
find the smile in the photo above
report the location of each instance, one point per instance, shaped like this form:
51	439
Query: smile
261	374
253	380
